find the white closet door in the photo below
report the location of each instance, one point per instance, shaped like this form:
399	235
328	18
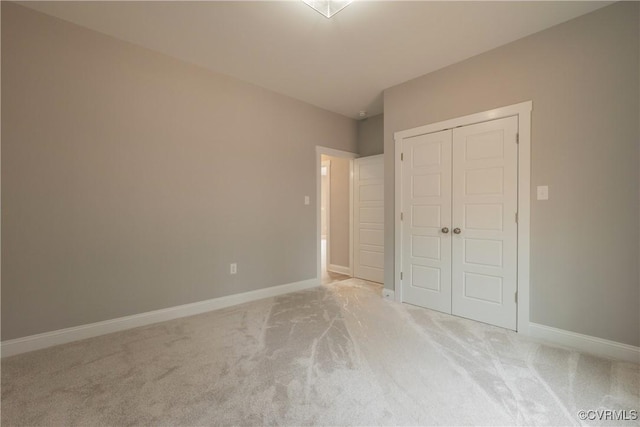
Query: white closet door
426	208
368	207
485	195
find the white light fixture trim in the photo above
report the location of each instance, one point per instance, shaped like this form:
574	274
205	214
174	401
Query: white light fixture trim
328	8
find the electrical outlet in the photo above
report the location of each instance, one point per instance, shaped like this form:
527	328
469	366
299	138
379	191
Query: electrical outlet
233	268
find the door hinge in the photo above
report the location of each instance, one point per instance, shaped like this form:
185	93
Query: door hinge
401	216
516	297
516	217
401	157
400	275
517	138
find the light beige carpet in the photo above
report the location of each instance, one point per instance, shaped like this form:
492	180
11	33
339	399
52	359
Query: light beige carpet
335	355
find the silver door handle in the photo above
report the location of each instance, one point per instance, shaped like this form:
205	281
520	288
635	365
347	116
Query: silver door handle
445	230
457	230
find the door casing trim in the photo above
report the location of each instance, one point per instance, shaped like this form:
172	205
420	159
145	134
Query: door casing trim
523	112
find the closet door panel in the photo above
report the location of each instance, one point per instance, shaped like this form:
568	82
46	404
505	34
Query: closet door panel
484	243
426	207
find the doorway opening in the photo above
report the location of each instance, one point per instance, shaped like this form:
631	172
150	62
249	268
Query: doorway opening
334	172
325	217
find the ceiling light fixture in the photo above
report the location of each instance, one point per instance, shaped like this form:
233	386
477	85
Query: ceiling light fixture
328	8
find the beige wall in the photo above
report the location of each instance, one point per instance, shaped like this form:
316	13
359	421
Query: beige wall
371	136
583	78
131	180
0	163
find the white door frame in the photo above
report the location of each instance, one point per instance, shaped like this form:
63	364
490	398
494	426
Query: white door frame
320	150
523	112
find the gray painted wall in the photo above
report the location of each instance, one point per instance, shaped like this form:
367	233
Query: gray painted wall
583	77
371	136
339	205
131	180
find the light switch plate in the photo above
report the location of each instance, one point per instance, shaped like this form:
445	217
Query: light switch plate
306	200
543	192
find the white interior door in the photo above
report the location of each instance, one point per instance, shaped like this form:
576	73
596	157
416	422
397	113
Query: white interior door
485	202
368	208
426	223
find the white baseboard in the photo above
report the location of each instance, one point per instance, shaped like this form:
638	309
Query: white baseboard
340	269
586	343
388	294
62	336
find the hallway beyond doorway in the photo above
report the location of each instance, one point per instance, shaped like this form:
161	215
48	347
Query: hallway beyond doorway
327	276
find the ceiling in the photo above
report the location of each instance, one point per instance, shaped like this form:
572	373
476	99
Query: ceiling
340	64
